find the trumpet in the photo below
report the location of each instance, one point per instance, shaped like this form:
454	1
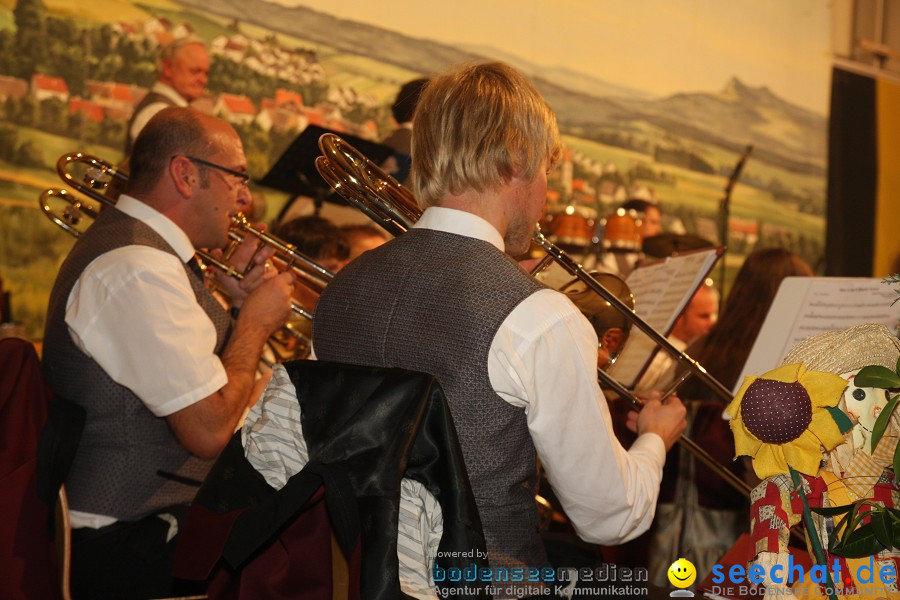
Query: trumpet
377	194
92	176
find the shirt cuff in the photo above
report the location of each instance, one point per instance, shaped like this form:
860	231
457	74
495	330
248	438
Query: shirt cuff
652	445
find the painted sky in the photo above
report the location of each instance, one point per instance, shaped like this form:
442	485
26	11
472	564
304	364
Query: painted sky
658	46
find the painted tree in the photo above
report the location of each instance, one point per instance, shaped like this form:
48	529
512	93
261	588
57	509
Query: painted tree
31	37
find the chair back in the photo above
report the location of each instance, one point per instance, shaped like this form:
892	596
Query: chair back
63	542
365	430
28	563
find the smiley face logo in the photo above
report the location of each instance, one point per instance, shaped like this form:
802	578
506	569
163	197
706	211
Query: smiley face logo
682	573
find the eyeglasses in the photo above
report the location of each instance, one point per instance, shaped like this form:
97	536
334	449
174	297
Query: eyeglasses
243	178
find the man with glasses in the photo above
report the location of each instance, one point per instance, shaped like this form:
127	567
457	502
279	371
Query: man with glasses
162	372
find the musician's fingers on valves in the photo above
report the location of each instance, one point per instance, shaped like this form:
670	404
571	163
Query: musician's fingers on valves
270	301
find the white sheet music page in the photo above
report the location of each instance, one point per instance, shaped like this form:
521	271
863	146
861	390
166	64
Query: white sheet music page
662	290
805	306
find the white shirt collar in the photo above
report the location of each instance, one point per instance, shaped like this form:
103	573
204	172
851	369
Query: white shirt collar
158	222
170	93
460	222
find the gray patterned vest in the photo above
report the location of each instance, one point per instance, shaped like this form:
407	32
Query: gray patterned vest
124	446
432	301
147	100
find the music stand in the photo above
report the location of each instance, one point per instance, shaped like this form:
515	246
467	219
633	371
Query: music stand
295	170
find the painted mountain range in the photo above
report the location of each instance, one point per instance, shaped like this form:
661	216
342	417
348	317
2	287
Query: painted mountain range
782	133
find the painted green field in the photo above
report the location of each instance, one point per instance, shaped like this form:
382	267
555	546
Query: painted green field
31	249
31	246
365	75
704	192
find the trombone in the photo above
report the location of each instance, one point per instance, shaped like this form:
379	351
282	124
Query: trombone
74	216
377	194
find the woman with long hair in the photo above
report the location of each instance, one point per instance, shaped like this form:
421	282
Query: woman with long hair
725	348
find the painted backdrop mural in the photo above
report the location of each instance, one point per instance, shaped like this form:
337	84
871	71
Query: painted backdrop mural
656	99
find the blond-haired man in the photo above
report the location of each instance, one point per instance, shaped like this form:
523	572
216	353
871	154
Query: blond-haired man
517	361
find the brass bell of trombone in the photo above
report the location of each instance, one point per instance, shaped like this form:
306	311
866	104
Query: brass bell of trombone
610	324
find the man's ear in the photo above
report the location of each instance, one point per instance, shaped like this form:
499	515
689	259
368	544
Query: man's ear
165	69
183	175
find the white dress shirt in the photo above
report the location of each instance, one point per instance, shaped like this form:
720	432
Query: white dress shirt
149	111
133	311
543	359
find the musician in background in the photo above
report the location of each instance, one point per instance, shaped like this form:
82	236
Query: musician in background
649	214
331	247
697	318
403	109
323	242
516	360
363	237
183	68
699	517
318	238
623	261
161	370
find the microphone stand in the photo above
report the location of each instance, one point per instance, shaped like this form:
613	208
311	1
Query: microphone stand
724	215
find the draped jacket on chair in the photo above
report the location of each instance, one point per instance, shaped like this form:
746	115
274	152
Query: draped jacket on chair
366	429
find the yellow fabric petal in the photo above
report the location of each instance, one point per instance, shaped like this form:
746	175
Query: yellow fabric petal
825	389
745	443
804	453
769	460
825	430
785	373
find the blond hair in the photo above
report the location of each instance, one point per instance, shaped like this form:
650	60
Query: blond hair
476	128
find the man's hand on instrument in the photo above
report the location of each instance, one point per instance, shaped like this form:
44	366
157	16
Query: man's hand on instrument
269	304
253	260
666	418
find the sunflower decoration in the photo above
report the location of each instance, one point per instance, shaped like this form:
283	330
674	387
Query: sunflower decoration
784	419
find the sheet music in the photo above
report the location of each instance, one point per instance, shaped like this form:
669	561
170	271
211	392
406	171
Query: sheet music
661	291
805	306
838	304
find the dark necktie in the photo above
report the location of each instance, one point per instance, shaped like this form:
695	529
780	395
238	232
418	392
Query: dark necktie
194	265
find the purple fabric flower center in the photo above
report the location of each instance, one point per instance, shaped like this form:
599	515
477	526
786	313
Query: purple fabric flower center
776	412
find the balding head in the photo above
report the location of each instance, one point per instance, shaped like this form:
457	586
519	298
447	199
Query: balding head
191	167
171	132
